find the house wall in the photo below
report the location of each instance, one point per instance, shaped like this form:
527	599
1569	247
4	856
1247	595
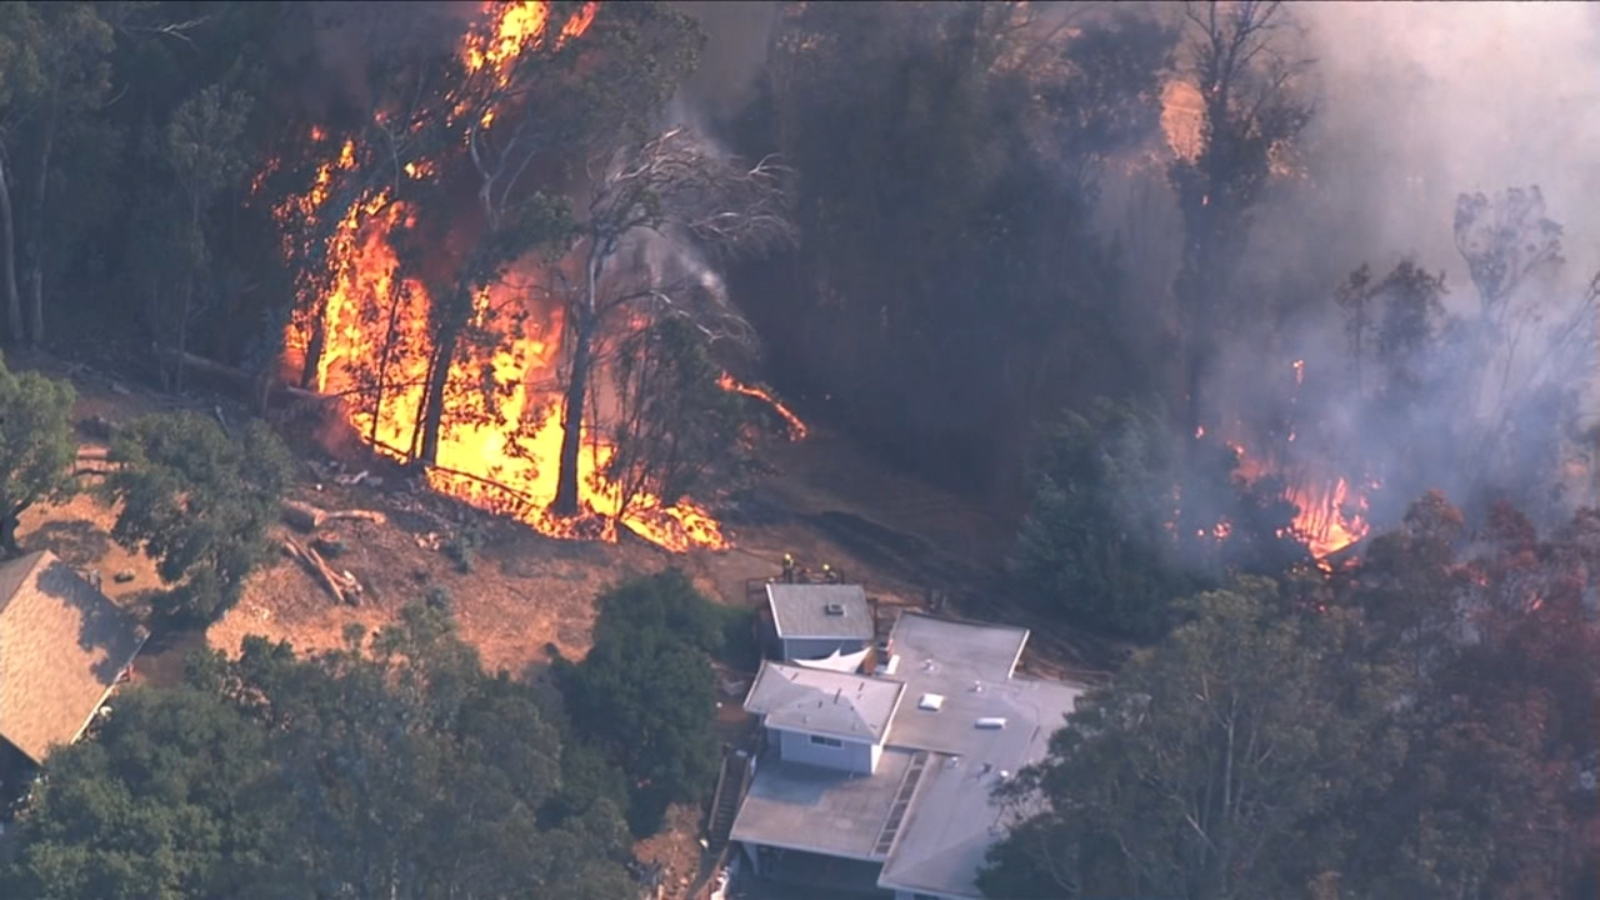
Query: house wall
849	756
815	648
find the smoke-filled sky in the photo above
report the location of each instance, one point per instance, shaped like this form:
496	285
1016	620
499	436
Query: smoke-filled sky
1426	100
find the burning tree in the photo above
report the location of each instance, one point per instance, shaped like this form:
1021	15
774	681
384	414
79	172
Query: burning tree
669	194
675	420
448	268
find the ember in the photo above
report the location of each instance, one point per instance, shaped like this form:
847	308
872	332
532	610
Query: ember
376	342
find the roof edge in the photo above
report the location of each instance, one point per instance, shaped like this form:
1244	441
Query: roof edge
800	848
106	694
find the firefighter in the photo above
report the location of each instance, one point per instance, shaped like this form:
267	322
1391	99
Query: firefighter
829	576
789	569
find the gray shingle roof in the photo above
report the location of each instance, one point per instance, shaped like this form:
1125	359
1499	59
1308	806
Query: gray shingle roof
821	702
801	611
62	646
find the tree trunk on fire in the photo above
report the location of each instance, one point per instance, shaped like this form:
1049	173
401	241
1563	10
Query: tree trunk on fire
444	357
314	348
566	502
8	257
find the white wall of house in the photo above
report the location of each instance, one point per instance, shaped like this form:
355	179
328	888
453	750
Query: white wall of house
828	752
817	648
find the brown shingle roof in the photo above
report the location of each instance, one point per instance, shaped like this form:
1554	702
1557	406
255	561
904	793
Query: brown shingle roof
62	645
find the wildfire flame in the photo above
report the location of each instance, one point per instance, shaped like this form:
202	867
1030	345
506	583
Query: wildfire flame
1332	513
797	428
376	340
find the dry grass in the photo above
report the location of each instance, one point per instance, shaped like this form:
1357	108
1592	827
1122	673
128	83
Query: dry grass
521	593
524	593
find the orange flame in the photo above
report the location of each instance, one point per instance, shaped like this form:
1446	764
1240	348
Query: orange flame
377	345
797	428
1332	517
519	26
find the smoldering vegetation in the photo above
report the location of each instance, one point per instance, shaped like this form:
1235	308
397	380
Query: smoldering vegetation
994	229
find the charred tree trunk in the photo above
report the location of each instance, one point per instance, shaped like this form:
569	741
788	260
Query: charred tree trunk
566	502
192	272
35	246
389	338
444	357
8	258
314	349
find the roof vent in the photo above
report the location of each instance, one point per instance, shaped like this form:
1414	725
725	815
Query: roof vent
992	722
931	702
834	609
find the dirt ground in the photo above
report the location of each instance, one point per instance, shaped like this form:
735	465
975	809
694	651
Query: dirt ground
525	594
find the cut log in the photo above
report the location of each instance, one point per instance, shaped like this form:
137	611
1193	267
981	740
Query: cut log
343	588
365	515
307	518
302	516
248	380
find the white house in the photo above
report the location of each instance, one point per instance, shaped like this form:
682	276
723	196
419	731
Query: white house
815	620
881	785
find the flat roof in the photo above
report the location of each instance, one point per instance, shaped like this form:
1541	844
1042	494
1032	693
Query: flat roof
956	650
819	810
844	705
952	820
800	611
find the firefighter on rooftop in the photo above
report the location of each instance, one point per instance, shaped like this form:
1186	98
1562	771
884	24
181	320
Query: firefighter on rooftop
789	570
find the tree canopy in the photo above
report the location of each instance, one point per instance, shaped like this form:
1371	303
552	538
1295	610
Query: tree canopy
1417	728
644	697
198	501
37	446
393	767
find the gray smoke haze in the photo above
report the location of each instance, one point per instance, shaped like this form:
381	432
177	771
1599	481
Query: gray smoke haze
735	54
1416	103
1422	101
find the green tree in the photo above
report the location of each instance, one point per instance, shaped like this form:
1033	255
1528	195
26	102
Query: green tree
1201	772
203	148
1489	800
37	447
394	767
645	697
75	44
1409	585
198	501
1101	543
164	800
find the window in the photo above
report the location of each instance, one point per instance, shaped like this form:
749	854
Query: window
826	741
